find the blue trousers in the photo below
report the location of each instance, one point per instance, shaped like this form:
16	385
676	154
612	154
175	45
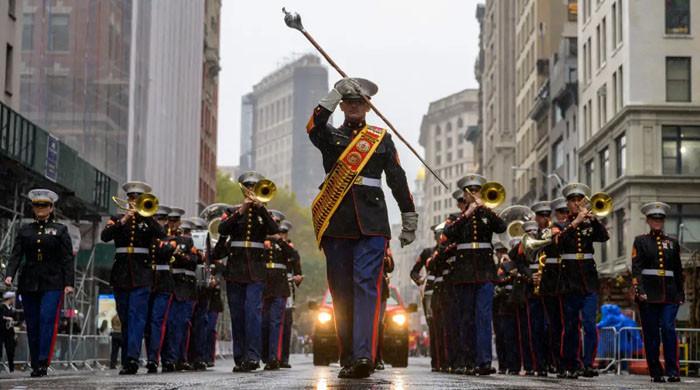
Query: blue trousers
450	327
273	318
177	330
132	308
160	307
505	328
287	333
579	309
532	335
245	301
198	334
211	336
655	316
354	269
42	310
475	307
553	311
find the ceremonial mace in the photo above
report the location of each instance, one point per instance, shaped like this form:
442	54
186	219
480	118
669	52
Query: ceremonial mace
293	20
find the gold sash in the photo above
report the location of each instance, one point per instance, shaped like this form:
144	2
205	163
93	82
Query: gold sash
343	175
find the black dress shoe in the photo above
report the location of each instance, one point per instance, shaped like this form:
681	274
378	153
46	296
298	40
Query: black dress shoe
362	368
241	368
379	366
200	366
561	375
35	373
573	374
470	371
434	369
673	379
529	373
184	367
514	372
542	374
501	371
459	371
658	379
152	367
112	366
168	367
285	365
210	364
272	365
251	365
345	372
484	370
590	372
130	369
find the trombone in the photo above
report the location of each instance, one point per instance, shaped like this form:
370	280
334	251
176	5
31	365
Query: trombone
145	205
263	191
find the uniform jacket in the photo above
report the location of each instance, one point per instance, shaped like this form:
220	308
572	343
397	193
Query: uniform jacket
580	276
246	265
184	260
660	256
162	254
420	262
549	284
277	254
8	316
132	270
474	265
522	286
363	209
503	304
43	255
293	269
441	265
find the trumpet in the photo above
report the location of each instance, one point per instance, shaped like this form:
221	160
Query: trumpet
145	205
533	249
492	194
601	204
263	191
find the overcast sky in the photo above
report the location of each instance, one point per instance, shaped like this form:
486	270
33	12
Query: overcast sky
417	51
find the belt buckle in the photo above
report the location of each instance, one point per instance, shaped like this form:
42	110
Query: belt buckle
475	245
662	272
39	257
358	180
129	249
580	256
247	244
269	266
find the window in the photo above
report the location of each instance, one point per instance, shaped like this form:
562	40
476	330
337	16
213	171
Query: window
448	127
613	30
449	157
602	106
438	160
571	10
677	16
449	142
438	130
460	122
460	154
678	79
589	168
58	32
598	44
558	152
604	165
683	221
620	233
11	8
438	145
8	69
620	91
59	93
619	23
585	63
621	156
28	32
681	150
614	91
589	62
603	41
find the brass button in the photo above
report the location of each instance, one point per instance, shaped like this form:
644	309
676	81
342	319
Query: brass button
38	241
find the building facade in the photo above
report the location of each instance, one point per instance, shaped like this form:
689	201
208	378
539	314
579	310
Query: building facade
282	104
442	135
245	158
498	89
538	29
210	103
639	116
10	46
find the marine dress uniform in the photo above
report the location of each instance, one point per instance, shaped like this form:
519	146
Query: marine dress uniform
579	283
294	278
473	273
132	275
43	256
246	227
505	313
351	219
657	274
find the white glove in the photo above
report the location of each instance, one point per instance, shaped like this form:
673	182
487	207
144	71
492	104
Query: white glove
409	224
330	102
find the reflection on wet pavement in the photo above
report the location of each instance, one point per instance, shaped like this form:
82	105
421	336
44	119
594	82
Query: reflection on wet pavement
304	375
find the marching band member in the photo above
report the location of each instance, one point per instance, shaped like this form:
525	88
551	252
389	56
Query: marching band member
294	277
505	313
350	217
132	275
427	284
43	255
579	278
474	271
657	274
246	227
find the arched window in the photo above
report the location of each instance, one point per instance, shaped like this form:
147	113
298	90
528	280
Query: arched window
438	130
448	127
460	123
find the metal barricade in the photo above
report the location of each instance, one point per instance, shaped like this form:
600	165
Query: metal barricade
606	353
631	349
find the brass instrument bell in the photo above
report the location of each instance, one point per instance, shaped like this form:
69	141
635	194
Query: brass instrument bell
601	204
145	205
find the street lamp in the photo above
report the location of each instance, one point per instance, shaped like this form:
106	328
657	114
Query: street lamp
560	182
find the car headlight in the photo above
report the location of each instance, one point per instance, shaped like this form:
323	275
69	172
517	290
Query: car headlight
324	317
399	319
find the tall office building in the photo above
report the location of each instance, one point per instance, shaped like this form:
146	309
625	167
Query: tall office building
639	116
282	104
442	135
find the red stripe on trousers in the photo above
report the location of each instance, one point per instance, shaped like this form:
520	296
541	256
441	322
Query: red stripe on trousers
280	338
162	327
377	307
563	326
55	327
529	337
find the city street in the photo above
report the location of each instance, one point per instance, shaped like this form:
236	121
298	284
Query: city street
304	375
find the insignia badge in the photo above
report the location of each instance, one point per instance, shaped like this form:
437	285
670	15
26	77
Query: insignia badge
51	231
354	158
485	220
363	146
